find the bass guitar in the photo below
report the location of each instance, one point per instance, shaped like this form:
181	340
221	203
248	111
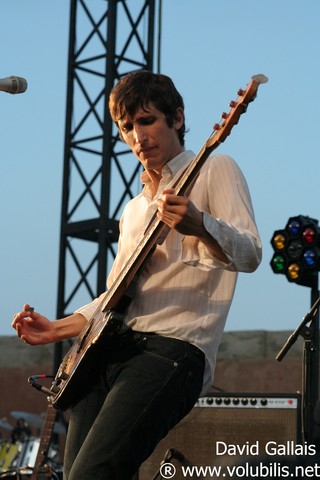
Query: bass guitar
77	367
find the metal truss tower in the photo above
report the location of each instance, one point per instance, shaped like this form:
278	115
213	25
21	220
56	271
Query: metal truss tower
108	38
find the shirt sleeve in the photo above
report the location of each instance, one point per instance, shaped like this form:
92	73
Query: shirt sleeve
221	192
88	310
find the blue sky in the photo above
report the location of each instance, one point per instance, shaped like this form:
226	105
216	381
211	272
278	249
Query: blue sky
210	48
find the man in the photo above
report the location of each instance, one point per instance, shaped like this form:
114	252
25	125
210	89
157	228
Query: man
166	358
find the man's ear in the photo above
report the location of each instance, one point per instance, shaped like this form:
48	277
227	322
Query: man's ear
179	119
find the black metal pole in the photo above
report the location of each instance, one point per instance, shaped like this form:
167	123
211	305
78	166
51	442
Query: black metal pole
309	330
311	368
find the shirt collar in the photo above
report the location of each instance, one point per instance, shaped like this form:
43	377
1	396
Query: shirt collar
172	167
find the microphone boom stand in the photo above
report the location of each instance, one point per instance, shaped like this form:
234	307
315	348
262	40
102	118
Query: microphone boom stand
309	330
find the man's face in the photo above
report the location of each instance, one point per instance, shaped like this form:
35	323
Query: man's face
150	138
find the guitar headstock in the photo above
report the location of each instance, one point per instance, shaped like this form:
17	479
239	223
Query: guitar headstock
238	107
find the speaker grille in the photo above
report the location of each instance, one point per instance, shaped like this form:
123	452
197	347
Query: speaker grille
246	420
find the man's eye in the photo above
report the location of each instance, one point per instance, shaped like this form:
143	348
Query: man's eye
126	128
147	120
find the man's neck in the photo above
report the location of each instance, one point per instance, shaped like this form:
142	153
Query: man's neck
155	178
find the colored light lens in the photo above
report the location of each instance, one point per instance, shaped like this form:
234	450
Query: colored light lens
309	235
294	227
293	271
278	263
279	241
309	258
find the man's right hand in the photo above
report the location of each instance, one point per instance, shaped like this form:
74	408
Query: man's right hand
33	328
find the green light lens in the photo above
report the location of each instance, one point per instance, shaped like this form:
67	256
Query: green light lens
278	263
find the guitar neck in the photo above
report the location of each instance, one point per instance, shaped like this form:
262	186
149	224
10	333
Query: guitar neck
155	229
46	436
182	187
79	360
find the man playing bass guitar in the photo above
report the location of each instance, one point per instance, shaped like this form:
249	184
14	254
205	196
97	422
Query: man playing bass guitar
163	358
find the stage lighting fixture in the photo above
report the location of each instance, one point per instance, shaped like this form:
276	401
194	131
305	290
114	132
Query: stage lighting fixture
297	251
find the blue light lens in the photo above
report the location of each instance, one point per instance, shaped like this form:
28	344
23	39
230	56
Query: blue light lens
309	257
294	227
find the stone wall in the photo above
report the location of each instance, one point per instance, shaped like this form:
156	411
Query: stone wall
246	363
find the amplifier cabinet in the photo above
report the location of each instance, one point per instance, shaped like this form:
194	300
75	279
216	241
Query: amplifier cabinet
229	427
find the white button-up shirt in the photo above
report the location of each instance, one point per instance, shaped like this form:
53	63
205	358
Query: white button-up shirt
183	291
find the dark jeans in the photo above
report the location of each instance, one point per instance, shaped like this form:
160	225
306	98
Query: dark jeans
149	385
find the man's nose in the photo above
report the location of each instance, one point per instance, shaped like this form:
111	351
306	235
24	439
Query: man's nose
139	134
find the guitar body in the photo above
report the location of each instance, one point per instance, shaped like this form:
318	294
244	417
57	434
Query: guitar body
76	372
76	376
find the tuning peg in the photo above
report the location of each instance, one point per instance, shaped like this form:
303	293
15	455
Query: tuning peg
224	115
232	104
241	92
216	127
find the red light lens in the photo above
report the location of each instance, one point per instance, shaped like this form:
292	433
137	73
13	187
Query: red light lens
309	235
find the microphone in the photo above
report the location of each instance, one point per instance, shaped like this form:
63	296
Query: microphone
13	84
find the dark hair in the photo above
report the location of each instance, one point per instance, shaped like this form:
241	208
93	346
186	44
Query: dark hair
138	89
